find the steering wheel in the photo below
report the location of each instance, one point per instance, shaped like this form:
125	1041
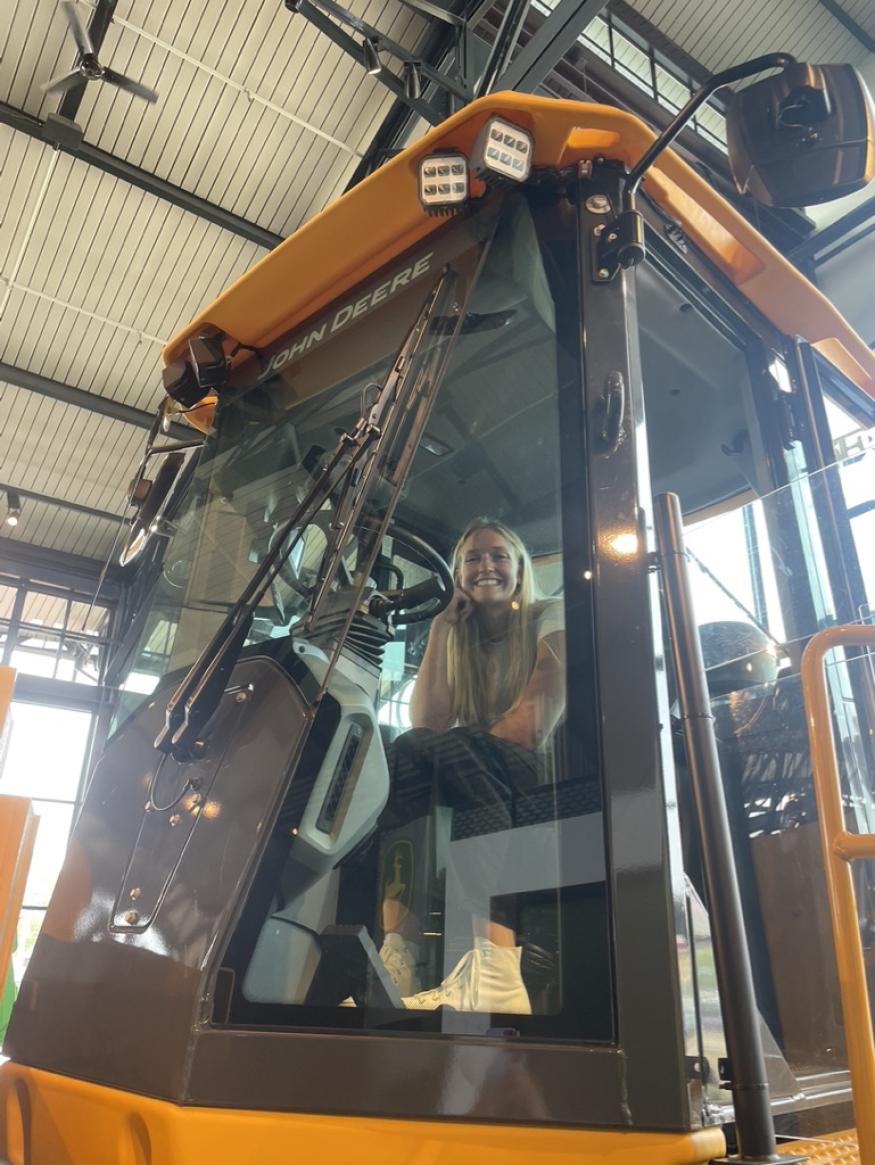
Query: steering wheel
317	527
413	604
423	600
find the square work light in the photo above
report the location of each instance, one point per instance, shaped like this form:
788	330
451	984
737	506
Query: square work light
502	152
443	182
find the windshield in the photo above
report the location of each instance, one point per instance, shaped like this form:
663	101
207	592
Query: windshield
451	852
272	443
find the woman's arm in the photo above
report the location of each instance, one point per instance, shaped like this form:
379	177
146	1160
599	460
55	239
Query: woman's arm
431	704
542	701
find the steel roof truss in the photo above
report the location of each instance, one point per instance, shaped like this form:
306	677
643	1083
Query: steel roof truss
80	398
119	168
549	44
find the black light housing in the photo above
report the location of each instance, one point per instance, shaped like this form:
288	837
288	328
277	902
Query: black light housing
181	384
412	80
802	137
208	359
13	507
371	56
502	153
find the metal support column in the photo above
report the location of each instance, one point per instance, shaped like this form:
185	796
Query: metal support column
549	44
505	42
754	1124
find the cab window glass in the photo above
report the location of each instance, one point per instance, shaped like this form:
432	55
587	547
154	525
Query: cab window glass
763	568
468	893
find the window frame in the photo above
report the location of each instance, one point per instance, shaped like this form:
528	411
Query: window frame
645	1072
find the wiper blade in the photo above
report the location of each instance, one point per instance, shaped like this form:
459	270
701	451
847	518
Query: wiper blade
394	416
196	699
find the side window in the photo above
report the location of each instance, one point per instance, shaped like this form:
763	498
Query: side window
853	436
765	569
476	901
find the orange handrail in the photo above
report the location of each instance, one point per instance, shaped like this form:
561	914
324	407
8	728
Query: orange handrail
840	848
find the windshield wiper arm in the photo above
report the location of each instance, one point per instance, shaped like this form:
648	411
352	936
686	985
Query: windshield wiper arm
196	699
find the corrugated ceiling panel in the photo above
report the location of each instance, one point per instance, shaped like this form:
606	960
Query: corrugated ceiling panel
23	166
61	343
719	34
207	135
863	11
119	252
7	601
66	452
65	532
34	40
127	269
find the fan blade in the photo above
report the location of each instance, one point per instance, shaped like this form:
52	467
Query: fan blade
77	29
62	84
129	86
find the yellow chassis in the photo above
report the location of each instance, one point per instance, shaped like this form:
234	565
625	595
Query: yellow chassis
56	1120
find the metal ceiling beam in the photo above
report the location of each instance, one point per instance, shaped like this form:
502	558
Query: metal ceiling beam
60	568
384	42
437	46
98	26
353	48
549	44
504	44
835	232
143	180
61	503
582	76
426	8
844	18
56	390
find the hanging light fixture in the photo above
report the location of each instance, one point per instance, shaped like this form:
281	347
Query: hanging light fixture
371	56
13	507
412	80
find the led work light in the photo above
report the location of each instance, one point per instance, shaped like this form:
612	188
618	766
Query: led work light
443	182
502	152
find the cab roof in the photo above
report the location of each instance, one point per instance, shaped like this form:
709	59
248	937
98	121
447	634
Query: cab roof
382	217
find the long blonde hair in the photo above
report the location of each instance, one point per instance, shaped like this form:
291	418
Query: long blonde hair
466	658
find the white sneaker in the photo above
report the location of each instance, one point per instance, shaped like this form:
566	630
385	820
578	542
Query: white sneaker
486	979
398	956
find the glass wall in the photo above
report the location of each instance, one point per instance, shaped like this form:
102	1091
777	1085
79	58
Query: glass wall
762	589
45	753
48	633
52	632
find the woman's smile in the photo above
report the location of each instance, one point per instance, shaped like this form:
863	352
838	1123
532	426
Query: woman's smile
489	569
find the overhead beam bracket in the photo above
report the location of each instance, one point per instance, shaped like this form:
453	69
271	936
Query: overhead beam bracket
549	45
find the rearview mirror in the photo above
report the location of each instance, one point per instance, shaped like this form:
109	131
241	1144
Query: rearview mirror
804	136
151	497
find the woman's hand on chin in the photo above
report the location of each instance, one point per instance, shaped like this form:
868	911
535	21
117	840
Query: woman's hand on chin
459	609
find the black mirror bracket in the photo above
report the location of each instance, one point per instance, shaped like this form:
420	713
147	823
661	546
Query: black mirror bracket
620	242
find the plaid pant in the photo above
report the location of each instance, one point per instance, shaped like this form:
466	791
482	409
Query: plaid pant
474	774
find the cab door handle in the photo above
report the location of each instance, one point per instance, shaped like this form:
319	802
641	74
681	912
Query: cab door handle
610	413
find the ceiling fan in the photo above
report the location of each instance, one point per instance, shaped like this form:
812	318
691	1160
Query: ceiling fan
88	68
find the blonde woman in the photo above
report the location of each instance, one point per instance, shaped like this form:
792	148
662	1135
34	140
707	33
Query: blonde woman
488	695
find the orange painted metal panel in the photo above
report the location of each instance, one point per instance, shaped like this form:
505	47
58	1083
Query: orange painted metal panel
382	217
840	848
55	1120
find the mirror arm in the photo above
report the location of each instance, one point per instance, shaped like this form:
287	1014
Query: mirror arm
668	135
620	243
173	447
